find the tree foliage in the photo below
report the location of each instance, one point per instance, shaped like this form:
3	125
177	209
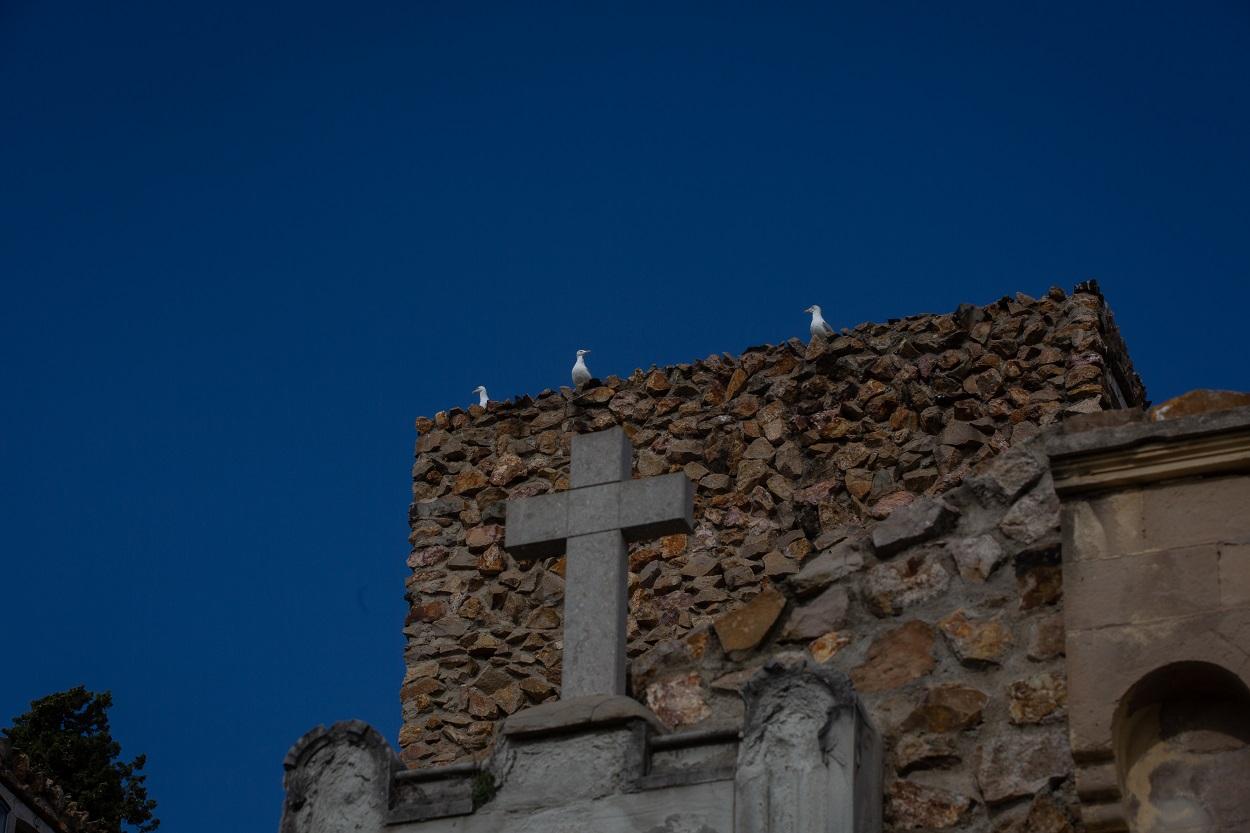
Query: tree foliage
67	736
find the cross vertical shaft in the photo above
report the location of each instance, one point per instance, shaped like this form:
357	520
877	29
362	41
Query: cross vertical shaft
596	607
592	522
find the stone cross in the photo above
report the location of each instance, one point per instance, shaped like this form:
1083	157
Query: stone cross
601	512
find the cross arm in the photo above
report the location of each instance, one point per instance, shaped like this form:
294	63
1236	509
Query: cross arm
656	506
538	527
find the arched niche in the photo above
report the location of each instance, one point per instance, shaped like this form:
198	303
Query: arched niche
1182	749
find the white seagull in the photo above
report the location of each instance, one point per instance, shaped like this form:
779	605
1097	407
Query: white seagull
482	397
581	374
820	327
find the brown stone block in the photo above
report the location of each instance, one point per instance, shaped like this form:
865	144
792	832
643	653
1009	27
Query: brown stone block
509	698
923	751
479	537
544	618
678	701
480	705
1038	698
1045	815
1200	401
892	586
976	642
536	687
509	468
912	806
657	382
468	482
673	545
1046	635
1040	585
427	612
826	647
492	561
745	627
896	658
947	708
1018	764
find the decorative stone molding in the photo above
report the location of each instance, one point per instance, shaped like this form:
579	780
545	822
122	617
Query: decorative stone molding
338	779
1141	453
810	759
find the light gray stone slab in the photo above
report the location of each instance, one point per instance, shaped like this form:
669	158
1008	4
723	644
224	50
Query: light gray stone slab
691	757
578	714
698	808
551	770
434	792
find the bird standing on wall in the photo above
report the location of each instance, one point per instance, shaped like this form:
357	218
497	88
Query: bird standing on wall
482	397
820	327
581	374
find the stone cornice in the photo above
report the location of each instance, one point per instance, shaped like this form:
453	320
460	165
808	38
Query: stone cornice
1150	452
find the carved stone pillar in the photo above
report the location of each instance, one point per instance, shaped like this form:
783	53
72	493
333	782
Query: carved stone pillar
809	760
338	779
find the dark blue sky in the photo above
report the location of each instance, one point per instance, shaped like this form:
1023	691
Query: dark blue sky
242	245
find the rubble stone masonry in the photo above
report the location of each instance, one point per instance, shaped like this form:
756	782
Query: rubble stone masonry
873	500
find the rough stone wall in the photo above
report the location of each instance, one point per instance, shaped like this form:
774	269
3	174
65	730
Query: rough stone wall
945	614
955	642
